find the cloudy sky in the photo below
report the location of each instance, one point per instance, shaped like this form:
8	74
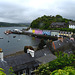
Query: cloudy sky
23	11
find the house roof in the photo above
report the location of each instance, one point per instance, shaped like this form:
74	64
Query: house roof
58	23
66	45
59	43
22	61
47	58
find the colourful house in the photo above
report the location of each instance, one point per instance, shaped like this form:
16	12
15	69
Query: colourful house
55	33
38	31
64	33
46	32
33	31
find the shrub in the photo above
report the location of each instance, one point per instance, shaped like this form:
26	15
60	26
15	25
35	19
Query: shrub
56	64
66	71
1	71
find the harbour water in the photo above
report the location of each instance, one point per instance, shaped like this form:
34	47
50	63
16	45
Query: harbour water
11	45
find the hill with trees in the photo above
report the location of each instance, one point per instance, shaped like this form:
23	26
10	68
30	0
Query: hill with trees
4	24
44	22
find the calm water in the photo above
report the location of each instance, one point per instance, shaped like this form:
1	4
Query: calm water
15	44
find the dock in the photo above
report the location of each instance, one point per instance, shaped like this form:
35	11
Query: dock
37	35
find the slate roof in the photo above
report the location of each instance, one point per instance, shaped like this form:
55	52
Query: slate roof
23	61
66	45
58	23
42	52
47	58
17	60
59	43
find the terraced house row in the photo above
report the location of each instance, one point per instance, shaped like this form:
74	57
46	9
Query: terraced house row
57	33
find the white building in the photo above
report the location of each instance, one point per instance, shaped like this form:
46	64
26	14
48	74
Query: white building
72	25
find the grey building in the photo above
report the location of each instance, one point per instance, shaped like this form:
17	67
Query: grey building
58	25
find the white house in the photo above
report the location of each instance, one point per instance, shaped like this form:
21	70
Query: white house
72	25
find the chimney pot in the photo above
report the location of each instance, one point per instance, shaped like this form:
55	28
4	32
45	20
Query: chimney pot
1	54
31	52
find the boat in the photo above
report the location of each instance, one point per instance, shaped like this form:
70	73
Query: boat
1	37
14	36
8	32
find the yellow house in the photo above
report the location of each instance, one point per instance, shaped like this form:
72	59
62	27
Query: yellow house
33	31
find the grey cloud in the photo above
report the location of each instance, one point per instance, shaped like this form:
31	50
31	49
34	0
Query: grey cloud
21	11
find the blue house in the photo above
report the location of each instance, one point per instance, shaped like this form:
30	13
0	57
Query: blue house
46	32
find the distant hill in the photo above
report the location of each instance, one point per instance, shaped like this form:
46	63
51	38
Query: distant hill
5	24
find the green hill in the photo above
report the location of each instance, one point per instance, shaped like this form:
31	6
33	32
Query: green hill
44	22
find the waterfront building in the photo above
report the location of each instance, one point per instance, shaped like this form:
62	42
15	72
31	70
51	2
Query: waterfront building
37	31
55	33
65	33
33	30
46	32
30	30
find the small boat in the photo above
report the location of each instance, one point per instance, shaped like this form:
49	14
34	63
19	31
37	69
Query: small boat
7	32
14	36
1	37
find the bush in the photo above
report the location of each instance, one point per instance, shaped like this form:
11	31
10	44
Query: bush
56	64
66	71
1	71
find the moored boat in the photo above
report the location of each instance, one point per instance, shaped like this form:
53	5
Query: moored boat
8	32
1	37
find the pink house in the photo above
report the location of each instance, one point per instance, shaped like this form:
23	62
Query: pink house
38	32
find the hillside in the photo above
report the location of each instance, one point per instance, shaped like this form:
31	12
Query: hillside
44	22
4	24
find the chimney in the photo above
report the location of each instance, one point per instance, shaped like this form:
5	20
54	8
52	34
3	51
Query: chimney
60	38
31	52
1	54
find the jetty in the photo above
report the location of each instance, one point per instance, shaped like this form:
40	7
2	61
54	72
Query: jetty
37	35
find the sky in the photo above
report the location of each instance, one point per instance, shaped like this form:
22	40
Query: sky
25	11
